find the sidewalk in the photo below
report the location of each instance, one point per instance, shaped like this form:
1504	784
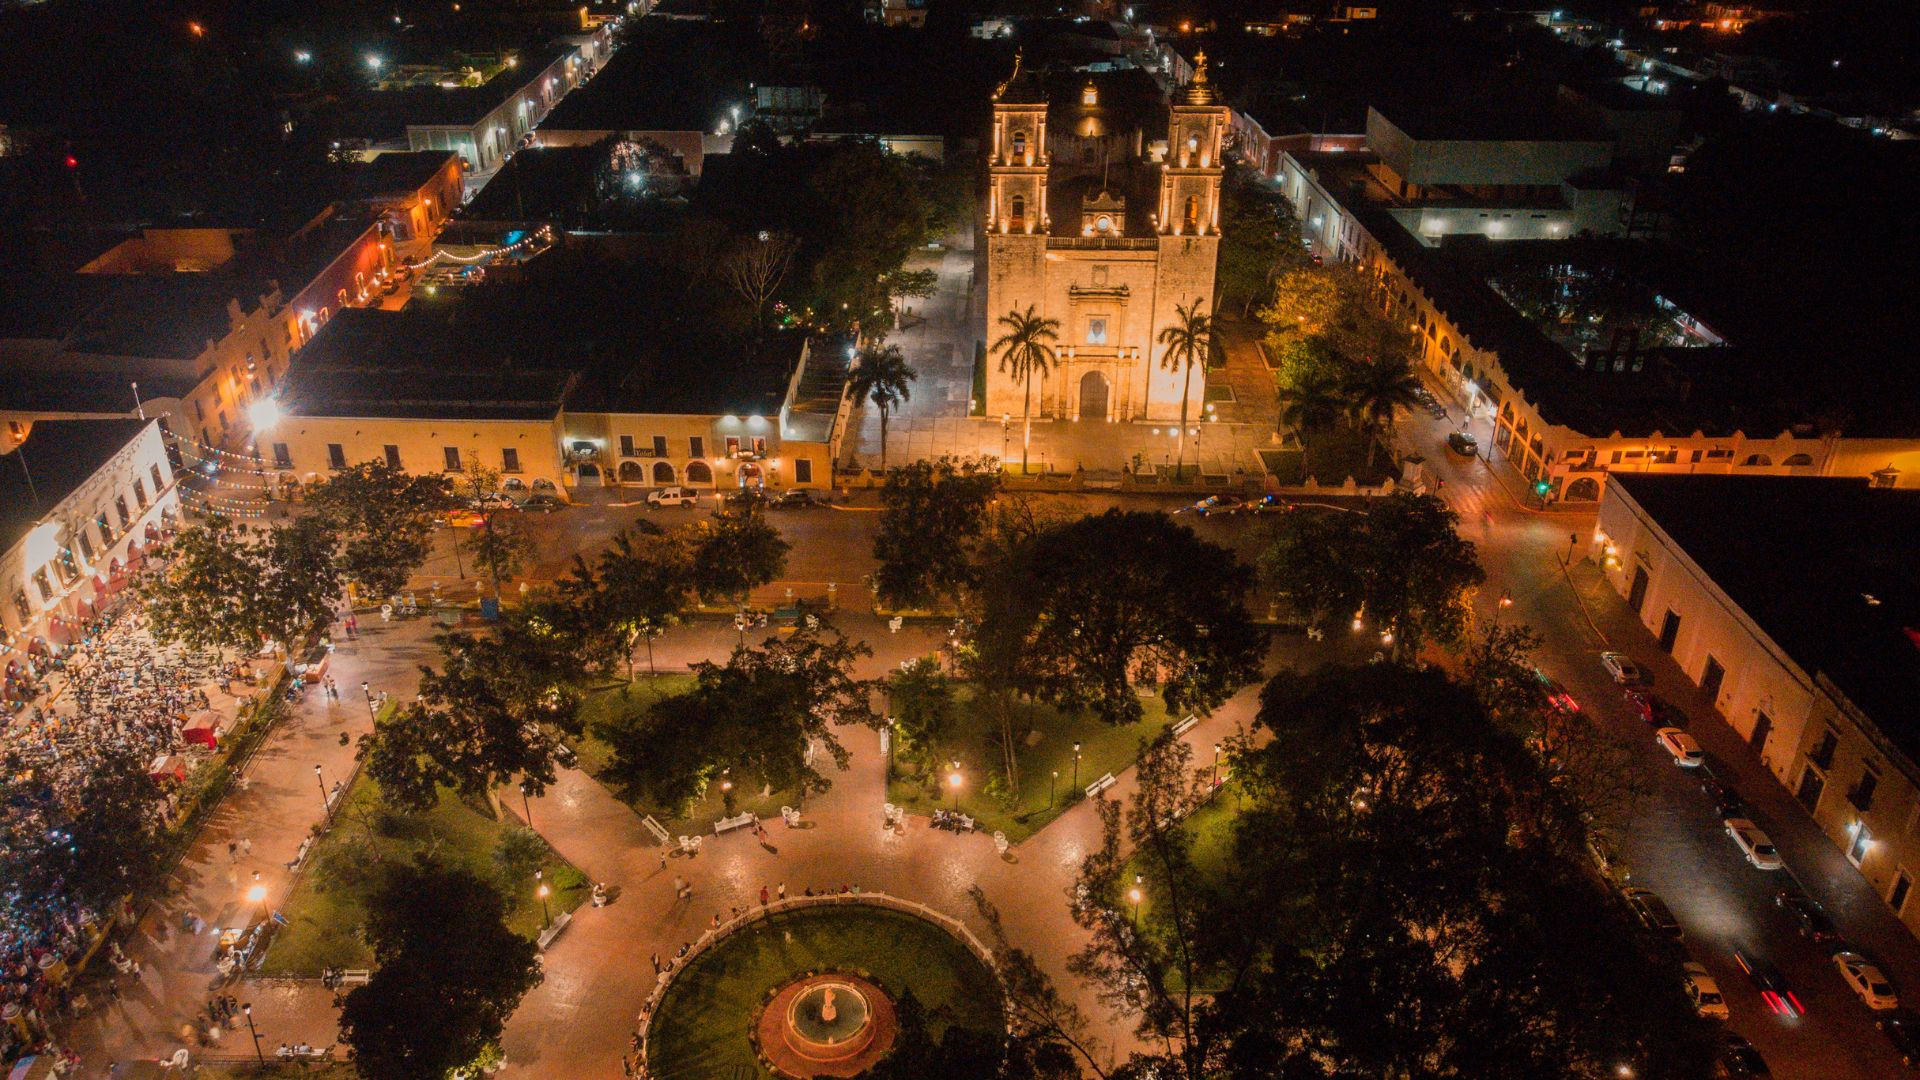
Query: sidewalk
275	809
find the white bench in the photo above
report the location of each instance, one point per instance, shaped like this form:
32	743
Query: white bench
355	976
560	923
737	821
1100	785
1186	725
658	830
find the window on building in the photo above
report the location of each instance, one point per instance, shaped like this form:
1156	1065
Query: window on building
86	547
733	446
393	455
759	445
626	446
69	568
105	530
659	446
140	493
1898	892
199	413
21	606
1019	210
223	421
1019	145
159	483
281	458
696	446
1193	212
1862	843
1861	796
510	460
120	508
41	582
336	456
1822	752
452	456
803	470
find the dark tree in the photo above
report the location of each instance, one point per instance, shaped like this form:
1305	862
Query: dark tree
91	838
738	551
1083	611
1259	239
752	716
479	720
230	588
933	516
384	517
448	976
1402	567
634	591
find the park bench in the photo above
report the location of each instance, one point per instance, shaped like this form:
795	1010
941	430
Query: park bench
1185	726
658	830
355	976
737	821
1100	785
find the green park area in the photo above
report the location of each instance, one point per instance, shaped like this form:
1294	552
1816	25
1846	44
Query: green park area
1049	778
327	907
701	1026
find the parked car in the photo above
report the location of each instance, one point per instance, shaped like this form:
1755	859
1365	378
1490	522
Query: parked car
1902	1029
1739	1059
793	499
1809	918
671	496
465	519
1556	695
543	503
1604	856
1773	987
1622	668
1754	844
1704	992
1269	504
1655	710
1686	753
1215	504
1866	980
1463	444
1653	913
1726	801
495	501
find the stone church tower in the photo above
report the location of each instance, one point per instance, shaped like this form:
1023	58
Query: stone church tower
1093	225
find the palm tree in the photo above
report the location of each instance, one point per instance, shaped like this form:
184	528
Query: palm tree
1312	404
1026	350
1374	390
881	376
1189	341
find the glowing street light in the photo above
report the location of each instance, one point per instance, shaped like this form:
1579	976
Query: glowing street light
953	784
1134	896
375	62
541	890
302	56
264	413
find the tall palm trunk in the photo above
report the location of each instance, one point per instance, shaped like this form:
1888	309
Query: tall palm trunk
1026	419
883	440
1180	453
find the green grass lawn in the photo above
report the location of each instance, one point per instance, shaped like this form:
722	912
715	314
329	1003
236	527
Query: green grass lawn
324	917
702	1025
1049	749
1211	829
607	702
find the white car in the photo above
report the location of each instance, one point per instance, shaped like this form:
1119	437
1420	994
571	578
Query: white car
1754	844
672	496
1704	992
1622	668
1686	753
1866	980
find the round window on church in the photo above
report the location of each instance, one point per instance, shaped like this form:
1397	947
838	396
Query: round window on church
1103	223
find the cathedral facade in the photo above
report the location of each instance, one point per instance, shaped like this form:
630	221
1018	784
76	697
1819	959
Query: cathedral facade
1102	214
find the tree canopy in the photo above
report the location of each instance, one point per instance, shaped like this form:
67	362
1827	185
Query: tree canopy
737	551
230	587
933	517
384	518
449	974
1080	612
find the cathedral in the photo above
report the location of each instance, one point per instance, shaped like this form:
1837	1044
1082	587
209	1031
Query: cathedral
1102	214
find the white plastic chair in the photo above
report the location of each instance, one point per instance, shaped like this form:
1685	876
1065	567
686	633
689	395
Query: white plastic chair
1000	842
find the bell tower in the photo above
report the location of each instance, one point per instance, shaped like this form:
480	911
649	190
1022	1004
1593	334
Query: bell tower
1017	201
1190	177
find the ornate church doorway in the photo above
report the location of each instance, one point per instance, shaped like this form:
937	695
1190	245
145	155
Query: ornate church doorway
1093	396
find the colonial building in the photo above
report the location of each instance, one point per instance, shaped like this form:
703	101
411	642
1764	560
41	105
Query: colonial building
1103	214
1795	605
80	501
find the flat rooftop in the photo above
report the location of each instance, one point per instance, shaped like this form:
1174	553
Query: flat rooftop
1824	566
670	76
170	316
61	455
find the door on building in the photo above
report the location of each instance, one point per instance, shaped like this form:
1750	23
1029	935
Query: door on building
1901	888
1812	783
1669	631
1093	396
1711	678
1762	727
1637	592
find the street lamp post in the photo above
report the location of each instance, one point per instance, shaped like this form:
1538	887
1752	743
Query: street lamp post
541	890
325	803
892	733
246	1010
1216	764
953	785
1076	765
1133	894
366	691
1573	541
1051	784
525	808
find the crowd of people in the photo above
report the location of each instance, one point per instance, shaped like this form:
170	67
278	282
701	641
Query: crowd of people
113	690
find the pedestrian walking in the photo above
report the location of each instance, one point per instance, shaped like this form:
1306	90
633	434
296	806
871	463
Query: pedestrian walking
716	920
763	896
233	851
783	890
656	963
246	845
